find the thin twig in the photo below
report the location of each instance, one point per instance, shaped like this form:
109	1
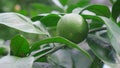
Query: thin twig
97	29
50	51
41	50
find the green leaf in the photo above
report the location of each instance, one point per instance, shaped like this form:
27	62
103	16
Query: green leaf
36	18
61	58
69	58
63	2
100	48
79	59
19	46
96	63
98	10
96	24
92	17
113	29
114	33
7	33
16	62
96	21
70	8
58	40
107	55
118	23
45	65
116	9
50	20
19	22
81	3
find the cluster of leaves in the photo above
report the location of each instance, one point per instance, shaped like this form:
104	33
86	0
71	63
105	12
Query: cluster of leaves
58	52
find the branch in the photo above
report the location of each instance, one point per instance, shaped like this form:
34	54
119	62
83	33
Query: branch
97	29
50	51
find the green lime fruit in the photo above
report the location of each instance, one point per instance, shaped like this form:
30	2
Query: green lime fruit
72	27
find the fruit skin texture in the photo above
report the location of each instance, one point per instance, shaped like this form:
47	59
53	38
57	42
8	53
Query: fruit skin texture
72	27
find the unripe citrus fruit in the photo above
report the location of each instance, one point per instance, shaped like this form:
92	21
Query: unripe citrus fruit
72	27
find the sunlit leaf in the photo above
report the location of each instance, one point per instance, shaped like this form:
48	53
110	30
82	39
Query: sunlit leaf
114	33
19	22
16	62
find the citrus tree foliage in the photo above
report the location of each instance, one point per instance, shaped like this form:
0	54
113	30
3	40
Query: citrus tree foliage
60	34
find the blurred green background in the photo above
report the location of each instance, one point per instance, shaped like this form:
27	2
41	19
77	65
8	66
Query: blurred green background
26	7
35	7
